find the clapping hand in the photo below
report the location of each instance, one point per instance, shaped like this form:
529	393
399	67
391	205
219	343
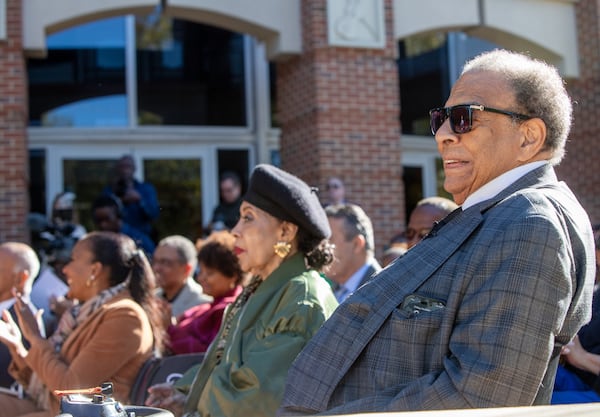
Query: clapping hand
29	323
10	334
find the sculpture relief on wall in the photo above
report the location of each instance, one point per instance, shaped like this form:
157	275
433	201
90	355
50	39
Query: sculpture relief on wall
356	23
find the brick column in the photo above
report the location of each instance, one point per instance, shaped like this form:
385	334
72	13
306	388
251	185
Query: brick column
339	111
14	199
580	166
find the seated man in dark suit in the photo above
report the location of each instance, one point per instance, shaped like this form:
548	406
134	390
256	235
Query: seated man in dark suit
19	266
352	235
476	313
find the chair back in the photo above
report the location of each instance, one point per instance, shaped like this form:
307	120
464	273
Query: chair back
158	370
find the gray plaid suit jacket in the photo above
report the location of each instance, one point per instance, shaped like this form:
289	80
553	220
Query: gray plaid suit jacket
469	317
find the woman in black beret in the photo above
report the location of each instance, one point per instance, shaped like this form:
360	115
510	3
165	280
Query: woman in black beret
281	240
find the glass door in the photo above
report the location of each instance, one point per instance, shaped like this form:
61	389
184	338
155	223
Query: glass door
186	186
178	184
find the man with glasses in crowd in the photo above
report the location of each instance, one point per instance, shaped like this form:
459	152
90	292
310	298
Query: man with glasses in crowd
174	264
422	219
474	315
428	211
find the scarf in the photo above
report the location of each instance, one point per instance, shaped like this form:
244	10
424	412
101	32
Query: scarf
69	321
221	342
236	306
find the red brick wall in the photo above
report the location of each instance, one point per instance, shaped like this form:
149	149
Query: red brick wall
14	200
339	111
581	166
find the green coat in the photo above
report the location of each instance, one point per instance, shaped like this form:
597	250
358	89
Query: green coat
277	321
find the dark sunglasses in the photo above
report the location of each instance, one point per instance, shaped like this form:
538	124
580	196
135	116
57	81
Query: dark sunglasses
461	116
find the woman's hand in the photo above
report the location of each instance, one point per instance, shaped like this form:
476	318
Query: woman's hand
167	397
29	323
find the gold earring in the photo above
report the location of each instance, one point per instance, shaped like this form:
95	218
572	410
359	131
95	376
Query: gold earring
89	281
282	248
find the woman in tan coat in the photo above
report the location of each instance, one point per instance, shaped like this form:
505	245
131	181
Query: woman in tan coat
107	336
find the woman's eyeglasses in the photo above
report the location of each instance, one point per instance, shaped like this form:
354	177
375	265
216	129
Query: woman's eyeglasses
461	116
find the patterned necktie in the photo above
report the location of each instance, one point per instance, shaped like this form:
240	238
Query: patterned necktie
236	306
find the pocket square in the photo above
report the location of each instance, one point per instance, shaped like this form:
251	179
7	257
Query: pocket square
414	304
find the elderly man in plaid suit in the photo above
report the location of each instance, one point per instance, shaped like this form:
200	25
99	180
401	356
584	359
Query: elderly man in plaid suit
475	314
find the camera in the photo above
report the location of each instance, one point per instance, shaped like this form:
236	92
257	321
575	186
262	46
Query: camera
51	242
97	402
121	188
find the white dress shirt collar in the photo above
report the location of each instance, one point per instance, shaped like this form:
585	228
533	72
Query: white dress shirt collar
498	184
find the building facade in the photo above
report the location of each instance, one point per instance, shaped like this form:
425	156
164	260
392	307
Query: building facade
321	87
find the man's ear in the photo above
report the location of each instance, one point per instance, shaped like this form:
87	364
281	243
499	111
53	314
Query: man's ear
359	243
533	138
21	280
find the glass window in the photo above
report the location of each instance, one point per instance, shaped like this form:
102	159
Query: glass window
189	74
81	83
273	94
86	178
178	186
37	181
424	81
413	187
428	66
177	183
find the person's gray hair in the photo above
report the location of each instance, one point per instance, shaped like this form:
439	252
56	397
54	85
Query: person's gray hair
356	222
441	203
25	259
539	92
185	248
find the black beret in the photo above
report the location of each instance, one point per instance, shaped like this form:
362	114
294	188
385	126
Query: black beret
288	198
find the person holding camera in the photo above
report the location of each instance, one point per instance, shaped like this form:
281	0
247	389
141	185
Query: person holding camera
139	199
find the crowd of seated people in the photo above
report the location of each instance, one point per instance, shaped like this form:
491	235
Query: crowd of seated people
106	336
126	309
221	277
